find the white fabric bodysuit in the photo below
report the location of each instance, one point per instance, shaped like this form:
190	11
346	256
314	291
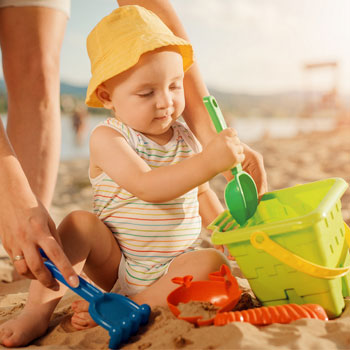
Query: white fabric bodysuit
150	235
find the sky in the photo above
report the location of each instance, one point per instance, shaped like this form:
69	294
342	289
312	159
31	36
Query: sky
249	46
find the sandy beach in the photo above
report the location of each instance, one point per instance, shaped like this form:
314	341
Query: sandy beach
298	160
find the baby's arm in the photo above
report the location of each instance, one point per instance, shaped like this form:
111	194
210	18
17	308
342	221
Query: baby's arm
209	205
111	153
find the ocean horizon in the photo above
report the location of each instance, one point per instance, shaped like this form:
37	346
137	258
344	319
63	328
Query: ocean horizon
249	130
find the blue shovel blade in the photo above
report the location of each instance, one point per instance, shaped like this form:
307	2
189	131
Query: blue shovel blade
116	313
119	315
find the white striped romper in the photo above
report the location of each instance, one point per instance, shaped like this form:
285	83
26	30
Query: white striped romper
150	235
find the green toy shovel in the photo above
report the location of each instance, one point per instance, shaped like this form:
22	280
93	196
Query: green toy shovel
241	195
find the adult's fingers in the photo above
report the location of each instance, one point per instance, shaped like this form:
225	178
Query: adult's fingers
254	165
36	268
55	253
21	266
259	175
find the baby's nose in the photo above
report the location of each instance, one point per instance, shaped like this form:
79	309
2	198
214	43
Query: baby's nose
164	100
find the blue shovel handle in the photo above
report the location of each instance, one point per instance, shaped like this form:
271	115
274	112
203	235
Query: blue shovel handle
85	289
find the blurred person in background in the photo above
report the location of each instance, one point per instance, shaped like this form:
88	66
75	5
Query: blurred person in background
79	122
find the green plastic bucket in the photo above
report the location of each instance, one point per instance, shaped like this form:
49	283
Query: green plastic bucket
295	249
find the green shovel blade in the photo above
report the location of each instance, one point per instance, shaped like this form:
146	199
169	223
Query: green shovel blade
241	195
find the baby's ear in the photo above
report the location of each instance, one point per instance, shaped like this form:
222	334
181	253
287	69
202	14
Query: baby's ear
104	96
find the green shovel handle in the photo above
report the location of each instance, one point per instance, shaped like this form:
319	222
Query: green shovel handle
215	113
219	122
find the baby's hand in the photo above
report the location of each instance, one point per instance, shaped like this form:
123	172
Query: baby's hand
224	151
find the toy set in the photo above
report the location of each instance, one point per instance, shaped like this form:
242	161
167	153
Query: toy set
222	290
293	247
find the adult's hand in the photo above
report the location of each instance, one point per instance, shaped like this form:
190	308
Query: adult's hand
26	228
253	164
25	225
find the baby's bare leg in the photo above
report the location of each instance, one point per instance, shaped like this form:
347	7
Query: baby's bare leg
86	241
197	263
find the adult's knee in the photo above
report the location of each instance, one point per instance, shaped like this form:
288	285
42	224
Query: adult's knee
38	76
43	73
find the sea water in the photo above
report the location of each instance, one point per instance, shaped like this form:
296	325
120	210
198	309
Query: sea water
249	130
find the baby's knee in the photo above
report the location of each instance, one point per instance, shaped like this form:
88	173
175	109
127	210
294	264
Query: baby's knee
77	221
78	216
210	259
216	258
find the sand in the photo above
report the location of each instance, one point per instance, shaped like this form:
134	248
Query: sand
194	308
288	162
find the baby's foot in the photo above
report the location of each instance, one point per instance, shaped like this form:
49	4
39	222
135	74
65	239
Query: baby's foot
23	329
81	318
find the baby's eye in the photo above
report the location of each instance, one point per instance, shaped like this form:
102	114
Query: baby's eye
145	93
175	86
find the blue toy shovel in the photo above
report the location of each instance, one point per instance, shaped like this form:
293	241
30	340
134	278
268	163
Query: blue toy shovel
119	315
241	195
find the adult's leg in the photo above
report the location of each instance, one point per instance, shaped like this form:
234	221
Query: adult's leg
88	243
31	40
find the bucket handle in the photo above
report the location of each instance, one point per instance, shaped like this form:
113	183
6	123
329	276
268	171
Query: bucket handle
261	240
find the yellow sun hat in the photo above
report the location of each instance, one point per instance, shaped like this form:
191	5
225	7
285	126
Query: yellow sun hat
119	39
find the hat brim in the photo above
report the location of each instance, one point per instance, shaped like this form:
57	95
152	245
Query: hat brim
111	68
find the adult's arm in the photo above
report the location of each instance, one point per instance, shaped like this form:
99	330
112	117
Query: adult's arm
25	225
195	114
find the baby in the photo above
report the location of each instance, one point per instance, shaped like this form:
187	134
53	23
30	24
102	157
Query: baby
148	173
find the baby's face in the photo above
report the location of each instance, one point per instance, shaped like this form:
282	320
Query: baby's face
149	97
